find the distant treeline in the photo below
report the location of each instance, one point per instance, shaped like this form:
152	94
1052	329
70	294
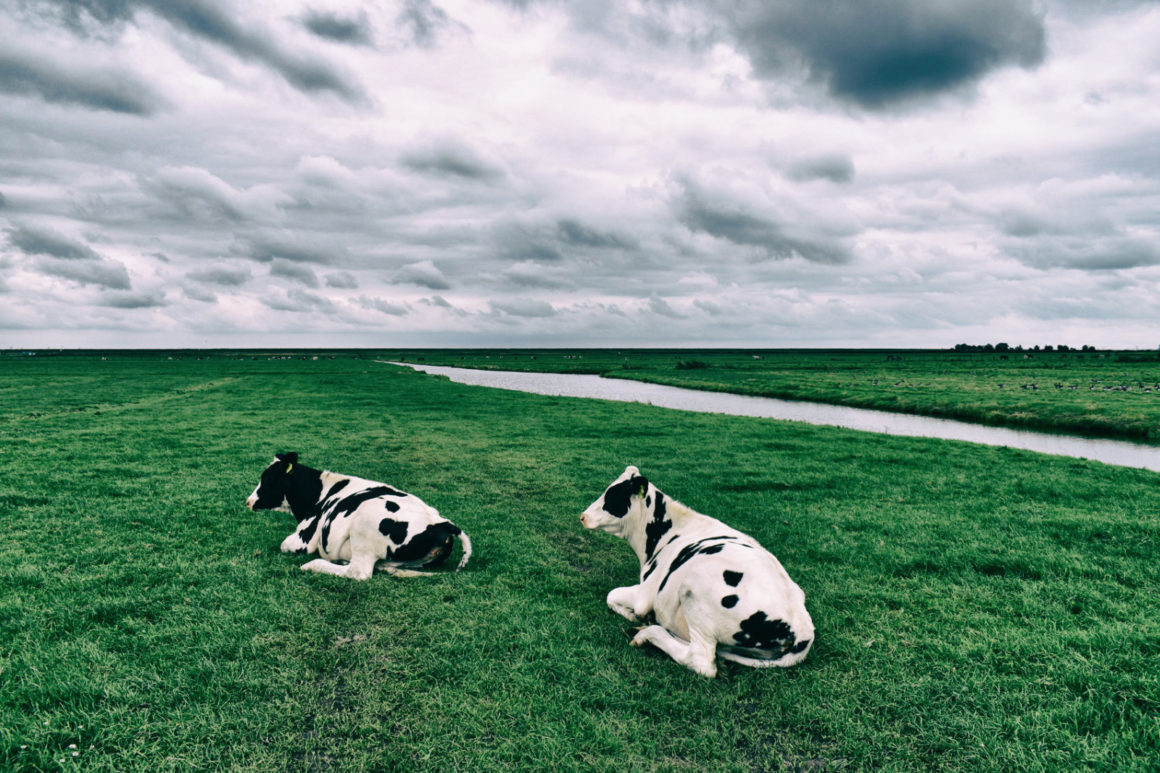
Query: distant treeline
1001	347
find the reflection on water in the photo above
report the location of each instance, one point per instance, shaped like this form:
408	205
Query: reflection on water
1118	452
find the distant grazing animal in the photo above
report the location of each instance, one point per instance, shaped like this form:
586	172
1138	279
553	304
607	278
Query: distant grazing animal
714	590
367	524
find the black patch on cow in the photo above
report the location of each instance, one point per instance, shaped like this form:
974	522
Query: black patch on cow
732	578
337	487
392	506
729	601
652	564
800	646
352	502
395	531
619	495
429	547
688	552
306	531
656	528
760	633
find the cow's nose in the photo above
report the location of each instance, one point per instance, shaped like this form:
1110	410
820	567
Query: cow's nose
583	522
251	500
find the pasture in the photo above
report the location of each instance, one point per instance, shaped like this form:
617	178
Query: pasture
976	608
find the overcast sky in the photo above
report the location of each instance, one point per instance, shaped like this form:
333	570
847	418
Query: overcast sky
197	173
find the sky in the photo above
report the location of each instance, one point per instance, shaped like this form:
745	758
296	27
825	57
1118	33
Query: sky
517	173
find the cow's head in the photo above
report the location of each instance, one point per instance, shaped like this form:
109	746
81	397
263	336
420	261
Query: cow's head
274	489
621	502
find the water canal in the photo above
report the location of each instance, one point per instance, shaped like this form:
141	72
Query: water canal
1119	452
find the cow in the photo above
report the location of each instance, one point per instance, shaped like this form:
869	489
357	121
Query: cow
367	524
713	590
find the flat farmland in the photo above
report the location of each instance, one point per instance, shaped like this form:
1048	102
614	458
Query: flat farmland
976	608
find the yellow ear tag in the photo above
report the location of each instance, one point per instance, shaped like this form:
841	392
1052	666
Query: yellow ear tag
289	467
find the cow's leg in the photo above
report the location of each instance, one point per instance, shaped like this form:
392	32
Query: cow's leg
630	602
697	654
359	568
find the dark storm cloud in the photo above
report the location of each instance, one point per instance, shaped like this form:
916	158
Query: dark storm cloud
835	168
878	53
45	241
293	271
90	87
354	31
731	222
207	20
126	300
221	275
102	273
450	158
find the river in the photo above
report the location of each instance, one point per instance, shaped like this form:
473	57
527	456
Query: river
1120	452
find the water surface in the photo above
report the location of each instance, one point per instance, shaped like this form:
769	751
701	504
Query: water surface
1120	452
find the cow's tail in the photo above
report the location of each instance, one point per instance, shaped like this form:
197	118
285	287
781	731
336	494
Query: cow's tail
465	541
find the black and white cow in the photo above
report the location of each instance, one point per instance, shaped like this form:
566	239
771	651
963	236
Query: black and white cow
363	522
713	589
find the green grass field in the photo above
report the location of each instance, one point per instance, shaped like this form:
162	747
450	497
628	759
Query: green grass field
977	608
1111	394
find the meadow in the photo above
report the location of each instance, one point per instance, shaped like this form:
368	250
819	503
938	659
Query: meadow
1094	393
976	608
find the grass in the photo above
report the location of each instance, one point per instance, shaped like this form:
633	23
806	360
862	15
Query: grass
1105	394
977	608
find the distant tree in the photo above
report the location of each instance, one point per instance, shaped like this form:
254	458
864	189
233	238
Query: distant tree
1048	348
1002	347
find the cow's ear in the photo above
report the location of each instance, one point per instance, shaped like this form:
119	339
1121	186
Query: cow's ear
640	485
289	458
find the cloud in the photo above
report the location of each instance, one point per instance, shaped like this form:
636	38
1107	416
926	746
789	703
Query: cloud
423	273
221	275
102	273
423	21
524	307
386	307
658	305
206	20
726	220
293	271
451	158
354	31
128	300
298	301
880	53
834	167
44	241
342	280
87	86
265	250
578	234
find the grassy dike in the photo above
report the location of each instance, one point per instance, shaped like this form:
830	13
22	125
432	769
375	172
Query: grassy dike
977	608
1102	394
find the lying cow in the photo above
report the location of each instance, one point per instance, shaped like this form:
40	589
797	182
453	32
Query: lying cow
364	523
713	589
